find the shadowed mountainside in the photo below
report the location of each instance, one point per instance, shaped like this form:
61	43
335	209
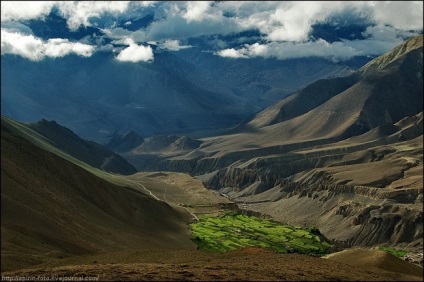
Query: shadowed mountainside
52	208
52	134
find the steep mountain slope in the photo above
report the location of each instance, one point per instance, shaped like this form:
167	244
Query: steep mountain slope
347	160
300	102
52	208
391	56
124	142
65	140
370	96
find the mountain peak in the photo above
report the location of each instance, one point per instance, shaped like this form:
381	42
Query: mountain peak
392	55
125	142
87	151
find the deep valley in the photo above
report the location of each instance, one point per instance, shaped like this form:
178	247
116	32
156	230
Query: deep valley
211	156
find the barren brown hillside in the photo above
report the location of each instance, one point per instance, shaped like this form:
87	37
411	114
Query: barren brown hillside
52	208
251	264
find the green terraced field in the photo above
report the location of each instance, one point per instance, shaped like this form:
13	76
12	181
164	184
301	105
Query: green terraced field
393	251
233	231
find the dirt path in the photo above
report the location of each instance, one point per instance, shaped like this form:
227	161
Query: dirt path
154	196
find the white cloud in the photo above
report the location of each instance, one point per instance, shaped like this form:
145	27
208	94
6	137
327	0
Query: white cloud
25	10
289	50
176	27
27	46
16	27
33	48
78	13
278	22
373	47
144	3
293	20
61	47
406	15
231	53
381	32
196	10
135	53
287	26
173	45
336	51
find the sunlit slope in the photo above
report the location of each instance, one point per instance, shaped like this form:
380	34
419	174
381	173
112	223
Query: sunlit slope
385	90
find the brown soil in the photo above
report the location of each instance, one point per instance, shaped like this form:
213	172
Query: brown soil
246	264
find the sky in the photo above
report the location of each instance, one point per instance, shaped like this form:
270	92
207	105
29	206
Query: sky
237	30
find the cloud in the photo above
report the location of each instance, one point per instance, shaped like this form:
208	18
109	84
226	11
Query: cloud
61	47
78	13
294	20
173	45
372	47
183	20
232	53
176	27
406	15
336	51
135	53
16	27
25	10
278	23
196	10
35	49
287	26
289	50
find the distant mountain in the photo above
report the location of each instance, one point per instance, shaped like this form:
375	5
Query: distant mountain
326	111
300	102
343	107
52	209
124	142
62	138
190	92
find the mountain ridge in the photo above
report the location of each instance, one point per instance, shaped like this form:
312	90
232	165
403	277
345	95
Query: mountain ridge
66	140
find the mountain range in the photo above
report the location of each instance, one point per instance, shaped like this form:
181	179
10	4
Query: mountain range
189	92
356	136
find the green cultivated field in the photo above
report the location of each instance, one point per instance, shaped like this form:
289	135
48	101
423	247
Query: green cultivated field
393	251
233	231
